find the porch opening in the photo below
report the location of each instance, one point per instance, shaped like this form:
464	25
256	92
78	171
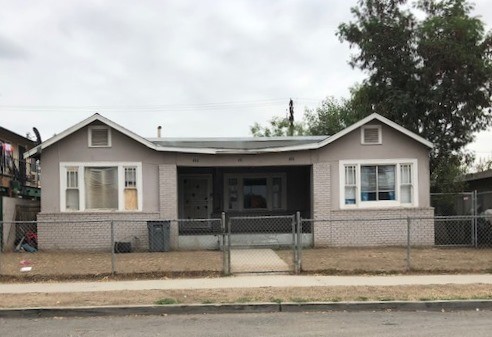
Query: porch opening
206	192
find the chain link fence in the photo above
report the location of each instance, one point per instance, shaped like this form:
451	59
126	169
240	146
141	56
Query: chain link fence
451	204
227	245
261	244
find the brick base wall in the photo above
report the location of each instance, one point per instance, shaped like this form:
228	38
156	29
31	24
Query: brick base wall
92	231
375	227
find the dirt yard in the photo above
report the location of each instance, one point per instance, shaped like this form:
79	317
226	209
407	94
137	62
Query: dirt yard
61	265
80	265
393	260
331	294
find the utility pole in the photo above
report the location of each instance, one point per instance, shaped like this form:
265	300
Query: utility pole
291	117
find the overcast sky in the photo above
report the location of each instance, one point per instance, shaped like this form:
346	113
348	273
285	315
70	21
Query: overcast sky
198	68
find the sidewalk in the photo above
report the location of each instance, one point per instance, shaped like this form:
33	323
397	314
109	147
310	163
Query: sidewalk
250	281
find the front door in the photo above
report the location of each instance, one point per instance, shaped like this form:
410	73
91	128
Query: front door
195	196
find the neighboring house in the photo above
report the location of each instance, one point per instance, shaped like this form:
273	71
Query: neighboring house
481	182
19	187
99	170
19	177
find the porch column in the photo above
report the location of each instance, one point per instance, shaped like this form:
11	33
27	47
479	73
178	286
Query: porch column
321	187
168	199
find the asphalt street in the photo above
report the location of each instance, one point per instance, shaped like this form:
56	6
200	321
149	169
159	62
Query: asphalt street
343	324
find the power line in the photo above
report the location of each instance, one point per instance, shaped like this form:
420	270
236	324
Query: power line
162	107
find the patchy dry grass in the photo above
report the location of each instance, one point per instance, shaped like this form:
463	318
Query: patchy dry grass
393	260
380	260
60	265
276	295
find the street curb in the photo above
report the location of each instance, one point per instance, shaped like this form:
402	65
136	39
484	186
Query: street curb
188	309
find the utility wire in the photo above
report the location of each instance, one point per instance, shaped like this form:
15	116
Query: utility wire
163	107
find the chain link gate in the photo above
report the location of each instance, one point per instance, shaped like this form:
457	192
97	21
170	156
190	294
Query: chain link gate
261	244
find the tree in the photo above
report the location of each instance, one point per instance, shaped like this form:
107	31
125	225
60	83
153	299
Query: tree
278	127
483	164
333	115
327	119
431	75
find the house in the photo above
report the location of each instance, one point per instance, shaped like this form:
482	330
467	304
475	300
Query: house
481	182
99	170
19	187
18	177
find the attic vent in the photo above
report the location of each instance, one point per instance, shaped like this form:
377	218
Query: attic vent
99	136
371	134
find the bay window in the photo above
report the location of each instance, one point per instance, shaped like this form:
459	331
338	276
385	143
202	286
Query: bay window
101	186
368	183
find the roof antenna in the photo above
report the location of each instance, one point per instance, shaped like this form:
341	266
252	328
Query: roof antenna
38	136
291	117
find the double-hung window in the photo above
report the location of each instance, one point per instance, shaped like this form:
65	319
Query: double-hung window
101	186
131	195
378	183
72	189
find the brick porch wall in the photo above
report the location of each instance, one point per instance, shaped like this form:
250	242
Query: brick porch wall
375	227
321	190
92	231
168	199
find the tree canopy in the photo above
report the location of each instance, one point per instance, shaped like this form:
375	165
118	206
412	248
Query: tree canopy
431	75
277	127
330	117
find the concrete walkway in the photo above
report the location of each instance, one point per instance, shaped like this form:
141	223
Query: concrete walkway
251	281
256	260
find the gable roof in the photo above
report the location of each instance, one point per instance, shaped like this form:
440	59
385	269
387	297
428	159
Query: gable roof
382	120
9	135
228	145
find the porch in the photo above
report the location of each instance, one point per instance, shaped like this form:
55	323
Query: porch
263	193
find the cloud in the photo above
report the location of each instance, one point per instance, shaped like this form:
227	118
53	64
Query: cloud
124	53
10	50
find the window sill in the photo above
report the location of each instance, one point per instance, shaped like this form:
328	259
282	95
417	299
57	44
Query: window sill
102	211
376	207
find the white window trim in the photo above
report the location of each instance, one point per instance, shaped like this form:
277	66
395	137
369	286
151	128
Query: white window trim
269	177
64	166
98	127
380	134
378	204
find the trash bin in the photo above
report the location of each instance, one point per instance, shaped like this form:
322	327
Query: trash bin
122	247
159	233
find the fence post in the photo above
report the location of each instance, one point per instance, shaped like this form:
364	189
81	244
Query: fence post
294	243
224	247
228	271
409	266
475	220
299	242
113	269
